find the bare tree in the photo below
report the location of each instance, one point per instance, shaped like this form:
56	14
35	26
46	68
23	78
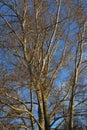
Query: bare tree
43	55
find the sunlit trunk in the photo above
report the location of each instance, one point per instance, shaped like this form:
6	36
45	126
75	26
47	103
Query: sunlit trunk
46	115
41	110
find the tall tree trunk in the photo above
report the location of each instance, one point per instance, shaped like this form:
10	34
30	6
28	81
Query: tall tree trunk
41	110
32	125
46	115
71	121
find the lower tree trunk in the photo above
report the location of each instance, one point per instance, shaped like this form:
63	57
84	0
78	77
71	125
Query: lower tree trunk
41	111
71	121
46	116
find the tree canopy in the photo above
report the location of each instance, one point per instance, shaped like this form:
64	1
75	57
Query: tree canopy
43	63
